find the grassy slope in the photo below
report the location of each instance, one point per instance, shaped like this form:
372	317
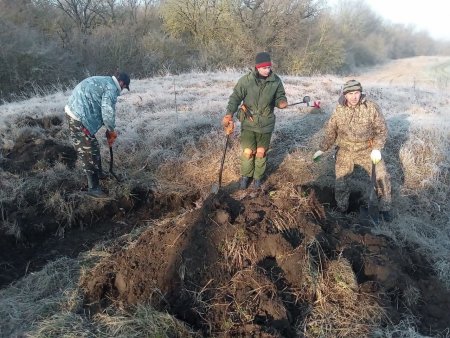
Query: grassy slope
176	140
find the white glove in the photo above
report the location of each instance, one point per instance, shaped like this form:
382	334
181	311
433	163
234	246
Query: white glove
317	155
375	156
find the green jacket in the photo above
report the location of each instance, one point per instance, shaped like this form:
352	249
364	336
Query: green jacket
260	96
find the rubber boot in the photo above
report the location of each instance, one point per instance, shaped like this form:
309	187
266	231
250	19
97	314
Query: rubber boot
94	190
243	182
98	163
257	183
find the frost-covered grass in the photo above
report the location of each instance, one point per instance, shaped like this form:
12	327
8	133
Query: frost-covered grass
170	138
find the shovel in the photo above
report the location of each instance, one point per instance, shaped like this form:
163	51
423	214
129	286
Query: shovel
215	188
111	156
371	214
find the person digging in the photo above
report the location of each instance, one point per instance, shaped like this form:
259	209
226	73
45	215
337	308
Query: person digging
358	128
255	96
92	105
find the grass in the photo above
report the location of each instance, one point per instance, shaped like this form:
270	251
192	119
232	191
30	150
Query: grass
170	146
340	310
49	303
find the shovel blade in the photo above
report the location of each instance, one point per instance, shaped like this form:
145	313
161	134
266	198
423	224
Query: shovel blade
215	188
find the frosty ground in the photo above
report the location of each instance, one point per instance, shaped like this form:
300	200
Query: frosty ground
166	256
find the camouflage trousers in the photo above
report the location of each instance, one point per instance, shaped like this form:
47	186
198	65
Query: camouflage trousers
86	145
345	163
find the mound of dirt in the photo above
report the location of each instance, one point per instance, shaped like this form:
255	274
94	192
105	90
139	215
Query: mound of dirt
270	264
44	216
32	146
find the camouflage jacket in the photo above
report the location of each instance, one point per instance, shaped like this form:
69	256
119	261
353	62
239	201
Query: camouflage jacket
93	102
355	129
260	96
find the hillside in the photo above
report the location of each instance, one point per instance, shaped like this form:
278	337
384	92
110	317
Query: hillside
166	257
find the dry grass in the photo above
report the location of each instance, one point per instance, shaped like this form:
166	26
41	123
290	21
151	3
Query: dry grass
238	251
425	160
177	146
406	328
48	303
39	296
142	321
340	310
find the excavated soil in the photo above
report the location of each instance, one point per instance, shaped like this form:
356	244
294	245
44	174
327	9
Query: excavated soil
32	233
243	264
234	268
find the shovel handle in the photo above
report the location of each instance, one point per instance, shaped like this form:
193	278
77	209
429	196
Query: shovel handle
223	160
111	161
373	188
374	177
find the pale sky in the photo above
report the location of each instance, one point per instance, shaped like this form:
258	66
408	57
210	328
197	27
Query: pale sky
430	15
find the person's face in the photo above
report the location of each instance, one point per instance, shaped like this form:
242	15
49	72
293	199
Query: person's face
353	98
264	71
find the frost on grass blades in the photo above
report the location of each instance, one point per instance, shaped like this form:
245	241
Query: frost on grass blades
166	257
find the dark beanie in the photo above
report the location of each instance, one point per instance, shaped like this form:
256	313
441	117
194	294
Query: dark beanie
125	78
262	60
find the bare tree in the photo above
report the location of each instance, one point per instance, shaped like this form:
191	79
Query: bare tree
86	14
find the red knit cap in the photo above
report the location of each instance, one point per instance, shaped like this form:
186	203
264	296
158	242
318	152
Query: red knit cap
262	60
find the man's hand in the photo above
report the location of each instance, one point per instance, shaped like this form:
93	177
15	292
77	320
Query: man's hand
111	137
228	124
375	156
317	155
282	104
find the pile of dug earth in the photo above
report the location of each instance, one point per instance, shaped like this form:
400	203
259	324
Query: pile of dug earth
271	264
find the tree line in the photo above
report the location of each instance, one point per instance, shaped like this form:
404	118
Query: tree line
50	44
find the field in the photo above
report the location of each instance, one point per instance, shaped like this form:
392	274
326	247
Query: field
166	257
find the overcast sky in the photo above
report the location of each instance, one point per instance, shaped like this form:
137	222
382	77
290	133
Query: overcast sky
429	15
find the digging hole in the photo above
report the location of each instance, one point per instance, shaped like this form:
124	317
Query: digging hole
43	238
325	195
275	273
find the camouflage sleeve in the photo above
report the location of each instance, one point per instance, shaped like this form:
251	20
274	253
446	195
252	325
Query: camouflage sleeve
331	132
109	110
238	95
379	128
280	94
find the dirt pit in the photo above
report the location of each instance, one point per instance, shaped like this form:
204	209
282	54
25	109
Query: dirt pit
271	264
44	213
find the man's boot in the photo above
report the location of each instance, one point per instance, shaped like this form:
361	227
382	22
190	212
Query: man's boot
243	182
94	190
257	183
98	163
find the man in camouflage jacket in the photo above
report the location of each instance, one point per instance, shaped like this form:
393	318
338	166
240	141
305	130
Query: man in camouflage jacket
258	93
359	130
92	105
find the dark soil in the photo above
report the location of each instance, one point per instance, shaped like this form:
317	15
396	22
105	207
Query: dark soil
239	265
227	268
32	234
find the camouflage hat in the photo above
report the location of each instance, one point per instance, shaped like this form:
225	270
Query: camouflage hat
351	86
